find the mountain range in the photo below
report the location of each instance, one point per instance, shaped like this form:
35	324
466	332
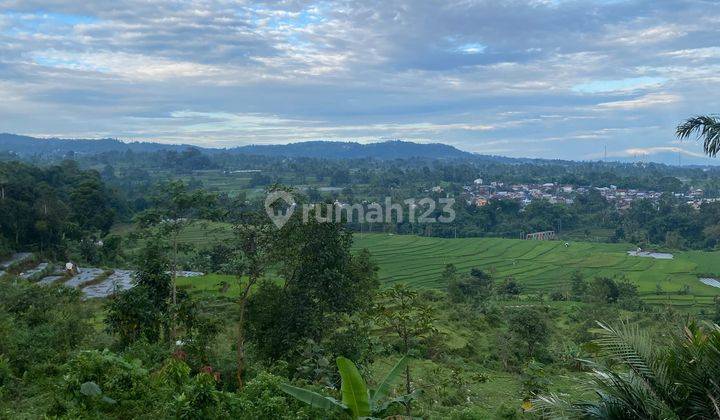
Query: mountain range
26	146
33	146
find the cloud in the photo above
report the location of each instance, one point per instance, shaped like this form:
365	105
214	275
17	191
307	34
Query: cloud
647	151
476	74
601	86
646	35
222	128
130	66
646	101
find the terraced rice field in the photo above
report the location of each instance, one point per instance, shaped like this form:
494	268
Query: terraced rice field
542	265
538	265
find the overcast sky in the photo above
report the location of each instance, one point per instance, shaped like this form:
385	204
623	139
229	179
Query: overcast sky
536	78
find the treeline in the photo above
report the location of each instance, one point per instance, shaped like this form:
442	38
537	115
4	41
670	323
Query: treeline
166	354
133	177
379	175
670	222
42	208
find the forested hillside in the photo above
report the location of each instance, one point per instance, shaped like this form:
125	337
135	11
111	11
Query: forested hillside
189	302
45	208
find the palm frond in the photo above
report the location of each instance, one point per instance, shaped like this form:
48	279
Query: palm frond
706	127
630	346
694	362
629	394
673	382
554	407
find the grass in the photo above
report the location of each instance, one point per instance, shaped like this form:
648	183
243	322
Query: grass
209	284
541	265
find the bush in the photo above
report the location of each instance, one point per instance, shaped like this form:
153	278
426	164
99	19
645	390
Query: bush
475	288
557	296
40	326
262	399
101	382
509	287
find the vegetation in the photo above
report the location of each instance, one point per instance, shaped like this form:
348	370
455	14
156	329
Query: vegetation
540	267
707	128
678	381
483	327
357	400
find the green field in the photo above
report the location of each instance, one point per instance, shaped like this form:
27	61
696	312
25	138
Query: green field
541	265
538	265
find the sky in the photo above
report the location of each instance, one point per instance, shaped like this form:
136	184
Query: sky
524	78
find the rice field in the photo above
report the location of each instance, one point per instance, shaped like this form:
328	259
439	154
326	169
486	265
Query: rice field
542	265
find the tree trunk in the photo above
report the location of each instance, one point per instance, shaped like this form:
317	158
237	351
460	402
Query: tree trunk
408	386
174	270
173	327
241	334
241	345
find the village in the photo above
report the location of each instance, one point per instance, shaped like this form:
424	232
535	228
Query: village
481	193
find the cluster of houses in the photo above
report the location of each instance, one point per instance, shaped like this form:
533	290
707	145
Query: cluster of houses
624	197
480	193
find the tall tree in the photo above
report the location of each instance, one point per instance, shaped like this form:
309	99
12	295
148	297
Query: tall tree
403	313
321	280
253	255
175	208
141	311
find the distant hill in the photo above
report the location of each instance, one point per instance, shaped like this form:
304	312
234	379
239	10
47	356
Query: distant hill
348	150
29	146
395	149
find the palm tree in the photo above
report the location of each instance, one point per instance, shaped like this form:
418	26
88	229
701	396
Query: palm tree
706	127
681	381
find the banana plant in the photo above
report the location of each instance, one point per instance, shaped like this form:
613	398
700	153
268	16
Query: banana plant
358	401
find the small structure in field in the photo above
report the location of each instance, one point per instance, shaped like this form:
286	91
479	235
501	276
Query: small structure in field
547	235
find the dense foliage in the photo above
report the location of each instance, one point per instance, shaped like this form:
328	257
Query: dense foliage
45	207
256	336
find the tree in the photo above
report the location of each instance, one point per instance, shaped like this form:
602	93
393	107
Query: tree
603	289
477	287
449	275
253	255
90	206
402	312
321	281
509	287
707	128
358	401
578	286
141	312
175	208
530	326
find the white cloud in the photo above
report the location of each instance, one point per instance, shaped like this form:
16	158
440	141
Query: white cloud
695	54
645	101
130	66
463	72
645	35
647	151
